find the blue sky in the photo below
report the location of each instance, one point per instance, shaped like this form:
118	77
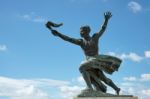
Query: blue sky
35	64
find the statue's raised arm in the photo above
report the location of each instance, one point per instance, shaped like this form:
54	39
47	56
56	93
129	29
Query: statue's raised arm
49	25
107	16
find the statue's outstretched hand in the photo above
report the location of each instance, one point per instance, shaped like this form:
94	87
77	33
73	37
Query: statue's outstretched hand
48	25
107	15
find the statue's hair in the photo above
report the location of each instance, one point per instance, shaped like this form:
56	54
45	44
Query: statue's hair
86	27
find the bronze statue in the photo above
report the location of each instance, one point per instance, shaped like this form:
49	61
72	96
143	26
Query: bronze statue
93	67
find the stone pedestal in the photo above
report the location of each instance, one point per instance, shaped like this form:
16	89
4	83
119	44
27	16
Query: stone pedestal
101	95
112	97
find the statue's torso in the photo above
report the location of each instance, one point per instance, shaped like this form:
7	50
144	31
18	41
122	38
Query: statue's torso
90	47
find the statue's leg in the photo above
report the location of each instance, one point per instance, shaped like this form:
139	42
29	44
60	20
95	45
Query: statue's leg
95	84
109	82
99	86
86	76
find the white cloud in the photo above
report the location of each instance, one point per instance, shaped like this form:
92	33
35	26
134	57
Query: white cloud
129	78
18	89
131	56
68	92
81	80
3	47
33	17
50	82
39	19
26	16
146	92
136	89
145	77
134	6
112	53
147	54
27	89
35	88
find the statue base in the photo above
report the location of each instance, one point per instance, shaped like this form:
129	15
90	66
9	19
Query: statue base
115	97
101	95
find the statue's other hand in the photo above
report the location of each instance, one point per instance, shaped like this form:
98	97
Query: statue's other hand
107	15
54	32
48	25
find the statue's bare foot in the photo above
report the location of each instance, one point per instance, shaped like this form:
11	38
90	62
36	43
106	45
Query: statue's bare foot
117	91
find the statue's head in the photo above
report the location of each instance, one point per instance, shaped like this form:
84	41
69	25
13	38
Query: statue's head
85	30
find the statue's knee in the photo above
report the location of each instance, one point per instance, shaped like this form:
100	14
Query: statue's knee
83	68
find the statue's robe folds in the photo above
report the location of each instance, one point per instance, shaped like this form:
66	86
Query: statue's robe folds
104	63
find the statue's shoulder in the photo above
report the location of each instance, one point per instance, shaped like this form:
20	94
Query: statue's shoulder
94	35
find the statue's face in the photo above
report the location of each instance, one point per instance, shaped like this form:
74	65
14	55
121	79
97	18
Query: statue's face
84	32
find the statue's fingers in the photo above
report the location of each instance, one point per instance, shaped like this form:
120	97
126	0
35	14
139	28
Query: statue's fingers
109	13
105	14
